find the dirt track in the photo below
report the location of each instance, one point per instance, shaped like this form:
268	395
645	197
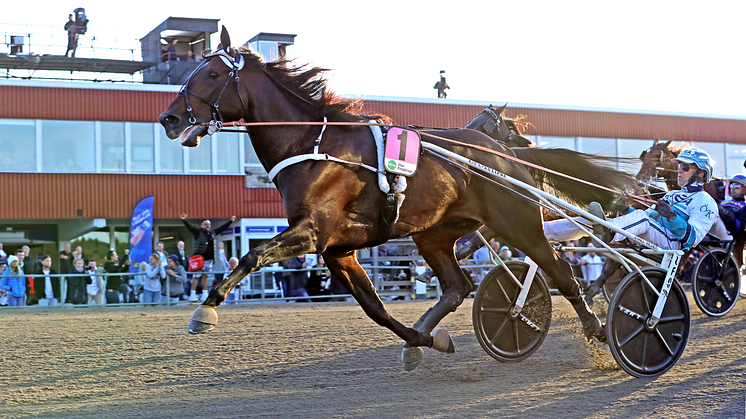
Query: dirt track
330	360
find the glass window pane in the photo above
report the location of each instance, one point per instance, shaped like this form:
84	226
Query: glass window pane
736	154
598	146
200	157
112	146
142	152
556	142
249	152
172	154
717	152
68	146
17	145
227	151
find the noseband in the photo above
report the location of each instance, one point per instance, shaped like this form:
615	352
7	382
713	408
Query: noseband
234	64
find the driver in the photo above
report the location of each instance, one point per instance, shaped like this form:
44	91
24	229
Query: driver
680	220
733	212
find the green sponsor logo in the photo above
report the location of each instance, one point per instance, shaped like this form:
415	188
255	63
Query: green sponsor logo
391	165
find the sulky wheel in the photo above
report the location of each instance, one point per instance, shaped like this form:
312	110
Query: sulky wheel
641	350
716	290
504	336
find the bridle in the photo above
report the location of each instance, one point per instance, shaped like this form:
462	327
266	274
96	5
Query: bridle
235	64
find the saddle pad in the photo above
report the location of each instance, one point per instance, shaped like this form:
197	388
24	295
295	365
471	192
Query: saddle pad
402	151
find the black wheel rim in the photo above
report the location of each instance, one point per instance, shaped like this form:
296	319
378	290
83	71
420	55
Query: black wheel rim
501	335
716	294
640	350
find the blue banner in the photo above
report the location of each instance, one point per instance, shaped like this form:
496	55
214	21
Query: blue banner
141	233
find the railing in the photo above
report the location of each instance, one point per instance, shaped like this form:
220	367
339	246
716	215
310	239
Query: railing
261	287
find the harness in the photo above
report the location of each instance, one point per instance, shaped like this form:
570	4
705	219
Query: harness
234	64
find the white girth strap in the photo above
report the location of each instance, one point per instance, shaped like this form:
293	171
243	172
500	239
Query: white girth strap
316	156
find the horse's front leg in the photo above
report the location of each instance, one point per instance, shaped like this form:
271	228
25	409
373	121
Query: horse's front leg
294	241
348	271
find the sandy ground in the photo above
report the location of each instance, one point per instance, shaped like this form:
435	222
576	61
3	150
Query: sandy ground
330	360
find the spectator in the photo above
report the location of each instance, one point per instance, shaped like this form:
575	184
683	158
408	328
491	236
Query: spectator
181	254
95	284
482	257
171	51
162	256
76	289
14	283
72	36
47	288
113	282
127	289
3	293
282	278
176	277
204	245
66	259
3	255
29	262
154	273
505	254
318	281
190	56
299	279
78	253
235	294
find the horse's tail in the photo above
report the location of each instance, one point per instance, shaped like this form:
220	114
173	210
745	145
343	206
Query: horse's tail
595	169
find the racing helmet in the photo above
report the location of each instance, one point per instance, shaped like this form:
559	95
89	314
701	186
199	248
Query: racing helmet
741	179
699	158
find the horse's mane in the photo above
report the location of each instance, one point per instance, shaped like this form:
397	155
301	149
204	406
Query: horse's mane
519	124
308	84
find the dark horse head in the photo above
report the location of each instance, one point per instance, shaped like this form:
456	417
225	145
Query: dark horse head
499	127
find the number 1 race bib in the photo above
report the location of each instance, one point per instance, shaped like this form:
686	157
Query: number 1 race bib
402	151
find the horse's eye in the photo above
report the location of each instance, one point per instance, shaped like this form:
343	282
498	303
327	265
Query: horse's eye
213	75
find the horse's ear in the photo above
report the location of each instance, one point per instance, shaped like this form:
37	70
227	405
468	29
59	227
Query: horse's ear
656	141
502	109
667	143
225	39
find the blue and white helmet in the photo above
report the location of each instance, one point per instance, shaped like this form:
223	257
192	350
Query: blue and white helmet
699	158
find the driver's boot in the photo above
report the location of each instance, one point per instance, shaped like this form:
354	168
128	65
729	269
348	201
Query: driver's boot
598	230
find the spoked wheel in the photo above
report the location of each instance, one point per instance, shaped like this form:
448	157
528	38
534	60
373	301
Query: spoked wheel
508	337
641	350
716	294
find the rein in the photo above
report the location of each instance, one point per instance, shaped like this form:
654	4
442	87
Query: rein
473	146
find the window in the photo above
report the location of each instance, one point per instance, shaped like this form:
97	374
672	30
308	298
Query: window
555	142
112	146
141	141
200	158
17	145
172	155
68	146
227	145
250	156
598	146
736	154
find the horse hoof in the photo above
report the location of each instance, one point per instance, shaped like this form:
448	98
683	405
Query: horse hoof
411	357
442	341
204	319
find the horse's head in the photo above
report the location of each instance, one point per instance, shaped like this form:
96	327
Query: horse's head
656	162
493	123
211	93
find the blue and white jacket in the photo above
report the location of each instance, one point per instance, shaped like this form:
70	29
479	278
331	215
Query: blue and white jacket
696	212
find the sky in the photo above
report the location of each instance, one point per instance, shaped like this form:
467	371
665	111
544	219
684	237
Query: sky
661	56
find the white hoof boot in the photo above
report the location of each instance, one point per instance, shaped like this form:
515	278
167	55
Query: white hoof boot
442	341
411	357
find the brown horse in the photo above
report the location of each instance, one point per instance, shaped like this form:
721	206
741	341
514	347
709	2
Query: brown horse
501	128
334	208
